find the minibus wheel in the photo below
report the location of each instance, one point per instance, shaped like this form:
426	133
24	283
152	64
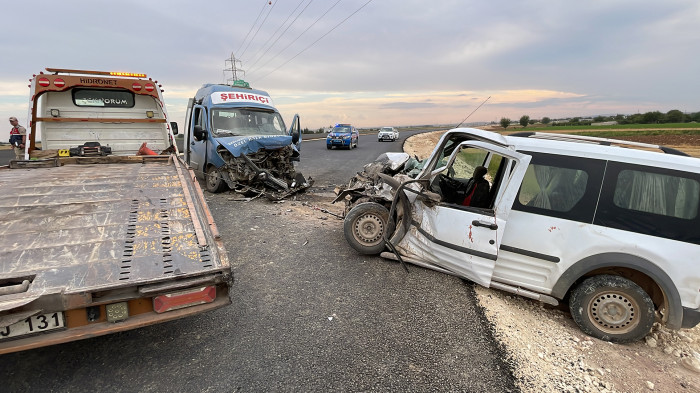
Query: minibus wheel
364	226
612	308
215	183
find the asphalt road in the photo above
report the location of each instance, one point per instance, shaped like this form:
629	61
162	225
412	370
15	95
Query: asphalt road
308	315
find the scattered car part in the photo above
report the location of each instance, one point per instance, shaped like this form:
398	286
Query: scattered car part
90	149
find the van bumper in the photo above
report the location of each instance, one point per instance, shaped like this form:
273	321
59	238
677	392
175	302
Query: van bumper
691	318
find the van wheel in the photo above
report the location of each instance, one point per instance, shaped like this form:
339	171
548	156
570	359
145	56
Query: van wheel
364	226
215	183
612	308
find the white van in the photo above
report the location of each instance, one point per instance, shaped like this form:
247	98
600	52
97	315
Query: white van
613	231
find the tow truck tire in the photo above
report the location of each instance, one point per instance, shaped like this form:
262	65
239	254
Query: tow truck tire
364	227
215	183
612	308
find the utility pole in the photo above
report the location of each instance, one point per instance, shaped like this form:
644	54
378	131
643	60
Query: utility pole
232	66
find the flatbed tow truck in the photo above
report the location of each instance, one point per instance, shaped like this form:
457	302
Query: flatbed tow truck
97	238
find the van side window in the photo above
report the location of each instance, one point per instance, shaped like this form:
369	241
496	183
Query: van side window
657	193
197	119
561	186
650	200
552	188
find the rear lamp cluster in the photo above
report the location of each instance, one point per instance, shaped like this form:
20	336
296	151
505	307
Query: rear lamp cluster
148	86
45	82
58	82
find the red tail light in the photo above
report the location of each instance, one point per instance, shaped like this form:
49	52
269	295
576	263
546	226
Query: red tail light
182	299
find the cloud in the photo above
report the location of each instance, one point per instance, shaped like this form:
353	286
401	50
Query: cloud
392	61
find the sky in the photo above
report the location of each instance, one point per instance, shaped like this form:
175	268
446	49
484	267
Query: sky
375	63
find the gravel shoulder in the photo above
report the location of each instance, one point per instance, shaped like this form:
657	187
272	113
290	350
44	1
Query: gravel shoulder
552	355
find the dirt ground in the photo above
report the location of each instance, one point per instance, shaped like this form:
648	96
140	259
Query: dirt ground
551	354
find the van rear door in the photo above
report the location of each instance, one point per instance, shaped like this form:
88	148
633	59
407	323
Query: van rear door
461	239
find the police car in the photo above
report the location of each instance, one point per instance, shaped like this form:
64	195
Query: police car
342	135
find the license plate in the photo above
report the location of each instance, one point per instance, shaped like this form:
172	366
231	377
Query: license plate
31	325
337	141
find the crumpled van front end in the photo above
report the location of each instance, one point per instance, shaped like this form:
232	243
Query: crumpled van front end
237	139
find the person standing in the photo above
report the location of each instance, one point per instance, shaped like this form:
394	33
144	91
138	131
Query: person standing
18	137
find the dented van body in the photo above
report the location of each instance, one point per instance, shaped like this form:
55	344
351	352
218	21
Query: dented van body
611	230
237	139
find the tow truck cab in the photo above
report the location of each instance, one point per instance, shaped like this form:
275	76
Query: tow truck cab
237	138
116	111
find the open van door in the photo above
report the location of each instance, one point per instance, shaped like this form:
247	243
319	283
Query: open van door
464	240
295	132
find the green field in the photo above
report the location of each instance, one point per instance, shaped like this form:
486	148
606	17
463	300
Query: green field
638	127
623	133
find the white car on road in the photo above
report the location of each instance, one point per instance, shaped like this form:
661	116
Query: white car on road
388	134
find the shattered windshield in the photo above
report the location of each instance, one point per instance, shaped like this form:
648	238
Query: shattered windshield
245	122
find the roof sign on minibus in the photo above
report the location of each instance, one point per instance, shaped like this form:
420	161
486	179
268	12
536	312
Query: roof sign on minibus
223	97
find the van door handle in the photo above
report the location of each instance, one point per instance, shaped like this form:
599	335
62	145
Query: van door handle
488	225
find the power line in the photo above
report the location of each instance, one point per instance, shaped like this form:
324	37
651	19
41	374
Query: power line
302	33
251	27
261	25
319	39
282	33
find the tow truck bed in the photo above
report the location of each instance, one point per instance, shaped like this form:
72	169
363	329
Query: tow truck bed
98	231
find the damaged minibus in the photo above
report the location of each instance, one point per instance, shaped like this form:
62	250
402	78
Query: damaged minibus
235	138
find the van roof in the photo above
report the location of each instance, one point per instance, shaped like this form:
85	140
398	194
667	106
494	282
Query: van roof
591	147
